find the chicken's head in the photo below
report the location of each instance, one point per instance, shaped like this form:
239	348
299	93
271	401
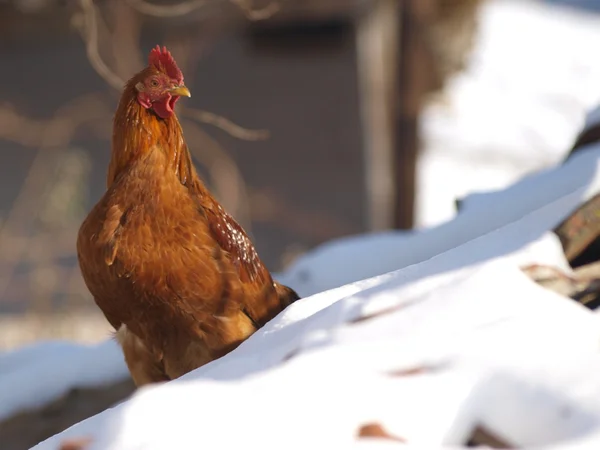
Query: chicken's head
161	84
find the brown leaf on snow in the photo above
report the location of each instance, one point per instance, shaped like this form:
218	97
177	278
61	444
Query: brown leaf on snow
418	370
412	371
377	314
75	444
375	430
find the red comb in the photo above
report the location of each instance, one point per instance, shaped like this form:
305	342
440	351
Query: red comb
163	61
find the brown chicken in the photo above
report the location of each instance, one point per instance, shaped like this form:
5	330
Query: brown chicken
173	273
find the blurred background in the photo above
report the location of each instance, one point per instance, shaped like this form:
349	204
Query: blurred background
309	119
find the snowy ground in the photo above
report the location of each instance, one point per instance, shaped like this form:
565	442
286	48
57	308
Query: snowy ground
494	348
497	349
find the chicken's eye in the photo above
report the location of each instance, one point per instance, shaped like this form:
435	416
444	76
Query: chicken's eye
154	82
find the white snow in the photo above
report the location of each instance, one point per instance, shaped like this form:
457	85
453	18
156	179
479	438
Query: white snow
517	107
34	375
500	350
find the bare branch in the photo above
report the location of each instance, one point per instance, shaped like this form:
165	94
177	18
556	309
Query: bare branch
178	10
583	286
226	125
125	38
256	14
89	31
55	132
90	34
187	7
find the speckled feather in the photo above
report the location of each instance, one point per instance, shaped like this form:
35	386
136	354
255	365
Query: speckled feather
173	272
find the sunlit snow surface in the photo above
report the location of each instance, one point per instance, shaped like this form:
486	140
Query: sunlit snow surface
533	75
497	349
34	375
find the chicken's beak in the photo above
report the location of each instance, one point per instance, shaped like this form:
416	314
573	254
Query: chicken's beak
180	91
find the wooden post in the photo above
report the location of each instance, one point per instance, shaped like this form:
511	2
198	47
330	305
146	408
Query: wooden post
395	71
377	42
415	76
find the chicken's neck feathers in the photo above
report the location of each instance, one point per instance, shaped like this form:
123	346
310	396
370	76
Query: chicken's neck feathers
138	131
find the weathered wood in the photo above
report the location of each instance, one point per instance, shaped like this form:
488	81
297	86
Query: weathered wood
317	10
583	285
483	437
579	231
415	80
378	47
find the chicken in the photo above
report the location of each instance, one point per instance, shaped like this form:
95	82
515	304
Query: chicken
174	274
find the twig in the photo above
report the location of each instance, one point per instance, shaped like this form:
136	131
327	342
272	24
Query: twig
255	14
187	7
589	271
164	11
583	286
541	272
226	125
125	37
90	32
54	132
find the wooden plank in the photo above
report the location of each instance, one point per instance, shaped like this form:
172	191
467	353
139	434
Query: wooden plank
415	80
378	46
260	12
319	10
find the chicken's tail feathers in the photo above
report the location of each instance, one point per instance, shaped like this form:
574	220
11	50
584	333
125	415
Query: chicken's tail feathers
286	294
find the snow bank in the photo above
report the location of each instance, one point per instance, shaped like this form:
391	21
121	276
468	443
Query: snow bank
35	375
